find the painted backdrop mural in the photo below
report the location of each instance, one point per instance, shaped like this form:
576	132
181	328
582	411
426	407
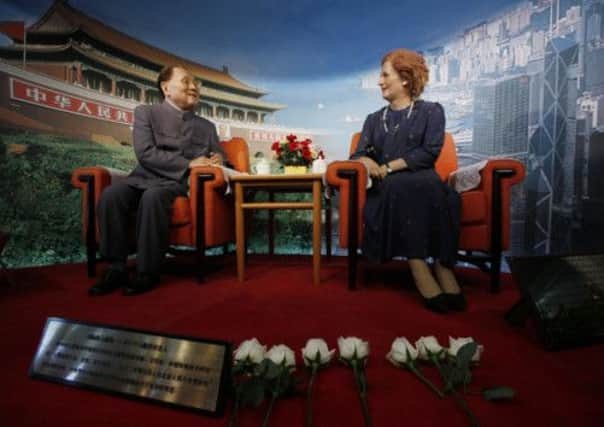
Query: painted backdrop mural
517	79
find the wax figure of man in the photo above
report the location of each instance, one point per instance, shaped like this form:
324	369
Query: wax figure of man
169	139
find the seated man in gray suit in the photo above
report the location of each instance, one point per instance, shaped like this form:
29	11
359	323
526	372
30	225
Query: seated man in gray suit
168	140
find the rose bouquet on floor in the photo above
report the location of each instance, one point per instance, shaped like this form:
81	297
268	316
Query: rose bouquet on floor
453	363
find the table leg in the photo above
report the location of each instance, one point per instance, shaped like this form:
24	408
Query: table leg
316	232
328	218
239	231
271	225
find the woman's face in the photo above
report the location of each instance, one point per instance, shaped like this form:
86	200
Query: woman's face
390	83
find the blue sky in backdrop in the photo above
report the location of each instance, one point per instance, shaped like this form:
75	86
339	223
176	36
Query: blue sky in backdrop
308	54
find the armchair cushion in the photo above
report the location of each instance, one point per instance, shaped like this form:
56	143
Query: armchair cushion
473	207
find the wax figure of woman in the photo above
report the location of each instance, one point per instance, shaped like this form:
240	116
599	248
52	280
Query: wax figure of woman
409	211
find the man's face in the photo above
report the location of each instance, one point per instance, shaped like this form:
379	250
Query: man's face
182	89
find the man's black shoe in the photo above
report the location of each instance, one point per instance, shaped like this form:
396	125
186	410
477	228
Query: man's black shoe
111	280
143	282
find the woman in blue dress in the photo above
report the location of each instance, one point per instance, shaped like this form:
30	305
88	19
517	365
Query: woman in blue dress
409	211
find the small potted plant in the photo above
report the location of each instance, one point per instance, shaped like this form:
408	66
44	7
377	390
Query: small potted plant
296	156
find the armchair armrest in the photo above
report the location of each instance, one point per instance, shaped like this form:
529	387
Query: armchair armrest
509	171
349	177
101	177
214	178
211	209
497	179
92	181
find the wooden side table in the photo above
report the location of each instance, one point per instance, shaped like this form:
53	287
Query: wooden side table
312	183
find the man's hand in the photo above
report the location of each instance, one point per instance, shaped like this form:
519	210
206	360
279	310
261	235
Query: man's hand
200	161
215	159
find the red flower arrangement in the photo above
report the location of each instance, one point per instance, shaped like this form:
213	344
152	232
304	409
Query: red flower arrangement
296	153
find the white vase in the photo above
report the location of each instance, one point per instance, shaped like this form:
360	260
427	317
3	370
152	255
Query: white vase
319	166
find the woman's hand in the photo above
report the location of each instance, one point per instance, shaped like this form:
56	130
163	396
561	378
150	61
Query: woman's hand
375	170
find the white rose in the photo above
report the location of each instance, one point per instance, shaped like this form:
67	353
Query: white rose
353	347
402	352
250	350
316	348
282	355
456	343
427	346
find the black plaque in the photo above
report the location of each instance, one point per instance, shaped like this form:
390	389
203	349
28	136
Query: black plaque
565	295
184	372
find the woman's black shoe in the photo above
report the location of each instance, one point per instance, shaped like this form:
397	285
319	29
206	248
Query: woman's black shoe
438	303
455	302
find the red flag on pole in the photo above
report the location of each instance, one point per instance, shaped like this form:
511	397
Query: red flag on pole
13	29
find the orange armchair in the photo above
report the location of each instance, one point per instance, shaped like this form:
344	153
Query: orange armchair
205	218
485	211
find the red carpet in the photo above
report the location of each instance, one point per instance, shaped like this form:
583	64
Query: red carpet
278	304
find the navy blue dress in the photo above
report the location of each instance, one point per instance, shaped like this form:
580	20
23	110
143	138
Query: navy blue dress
410	213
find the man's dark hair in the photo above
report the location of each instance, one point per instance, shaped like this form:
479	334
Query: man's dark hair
166	74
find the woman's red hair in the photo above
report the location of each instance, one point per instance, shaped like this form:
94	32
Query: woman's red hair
411	68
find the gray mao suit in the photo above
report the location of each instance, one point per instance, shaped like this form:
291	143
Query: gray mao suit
166	139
